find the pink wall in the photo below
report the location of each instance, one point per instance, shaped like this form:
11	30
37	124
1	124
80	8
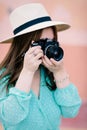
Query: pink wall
76	63
74	40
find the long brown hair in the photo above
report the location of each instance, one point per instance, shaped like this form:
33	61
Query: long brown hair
13	61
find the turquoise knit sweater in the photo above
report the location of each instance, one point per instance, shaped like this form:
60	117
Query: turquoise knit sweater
22	111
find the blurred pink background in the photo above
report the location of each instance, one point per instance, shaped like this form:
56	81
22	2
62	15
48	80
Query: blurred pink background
73	41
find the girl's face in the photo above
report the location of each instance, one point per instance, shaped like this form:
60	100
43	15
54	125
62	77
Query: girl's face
47	33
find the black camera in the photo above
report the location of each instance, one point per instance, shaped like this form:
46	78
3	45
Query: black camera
50	48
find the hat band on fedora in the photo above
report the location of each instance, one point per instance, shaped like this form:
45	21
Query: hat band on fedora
30	23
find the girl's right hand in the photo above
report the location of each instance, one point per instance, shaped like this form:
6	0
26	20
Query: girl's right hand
32	59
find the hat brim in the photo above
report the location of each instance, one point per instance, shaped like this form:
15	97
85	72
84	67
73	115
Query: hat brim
59	25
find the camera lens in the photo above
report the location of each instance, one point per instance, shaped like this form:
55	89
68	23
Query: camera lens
59	54
54	52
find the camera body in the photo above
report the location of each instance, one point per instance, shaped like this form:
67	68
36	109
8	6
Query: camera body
50	48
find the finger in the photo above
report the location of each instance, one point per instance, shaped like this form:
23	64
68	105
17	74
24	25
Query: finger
47	60
29	55
32	49
56	62
38	56
44	63
39	61
37	51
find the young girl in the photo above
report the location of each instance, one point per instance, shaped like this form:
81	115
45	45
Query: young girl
35	91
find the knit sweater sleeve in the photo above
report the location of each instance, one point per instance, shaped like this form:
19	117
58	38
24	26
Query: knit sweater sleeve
14	106
69	100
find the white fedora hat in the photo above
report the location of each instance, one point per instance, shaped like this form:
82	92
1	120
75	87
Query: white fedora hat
31	17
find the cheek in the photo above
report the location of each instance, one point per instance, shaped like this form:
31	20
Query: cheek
47	36
47	33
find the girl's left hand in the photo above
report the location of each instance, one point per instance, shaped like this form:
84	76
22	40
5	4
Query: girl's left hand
57	68
52	65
